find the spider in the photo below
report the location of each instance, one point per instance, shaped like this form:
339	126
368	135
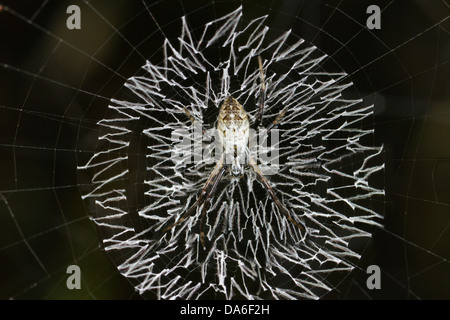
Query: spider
233	128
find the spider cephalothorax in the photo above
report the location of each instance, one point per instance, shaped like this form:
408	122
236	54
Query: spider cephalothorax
233	128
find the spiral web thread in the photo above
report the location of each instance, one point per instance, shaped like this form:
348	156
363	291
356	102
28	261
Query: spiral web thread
252	250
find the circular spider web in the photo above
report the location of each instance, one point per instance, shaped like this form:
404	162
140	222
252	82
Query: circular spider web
320	167
56	85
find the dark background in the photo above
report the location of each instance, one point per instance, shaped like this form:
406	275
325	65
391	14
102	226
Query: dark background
55	85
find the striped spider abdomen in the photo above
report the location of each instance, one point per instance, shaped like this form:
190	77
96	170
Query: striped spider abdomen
233	129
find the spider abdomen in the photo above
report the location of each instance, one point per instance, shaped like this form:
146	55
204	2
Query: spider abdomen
233	129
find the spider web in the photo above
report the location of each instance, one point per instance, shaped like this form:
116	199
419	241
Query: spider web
88	176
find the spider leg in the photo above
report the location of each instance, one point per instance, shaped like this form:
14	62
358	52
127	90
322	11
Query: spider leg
262	94
206	203
190	116
217	172
276	121
261	102
277	201
193	120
